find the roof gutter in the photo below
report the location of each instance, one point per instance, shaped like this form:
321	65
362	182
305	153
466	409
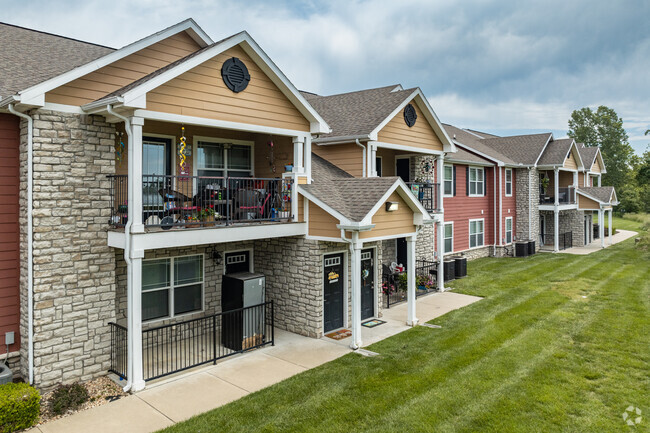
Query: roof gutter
339	140
105	102
127	243
30	240
9	100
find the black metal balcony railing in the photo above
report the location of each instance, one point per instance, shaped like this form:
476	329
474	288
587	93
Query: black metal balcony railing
203	201
427	193
394	285
179	346
565	195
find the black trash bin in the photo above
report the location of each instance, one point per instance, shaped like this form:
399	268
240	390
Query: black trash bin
531	248
461	266
449	269
521	249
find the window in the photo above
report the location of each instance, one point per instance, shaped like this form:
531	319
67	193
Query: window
224	159
509	230
476	181
475	233
172	287
449	180
508	182
449	237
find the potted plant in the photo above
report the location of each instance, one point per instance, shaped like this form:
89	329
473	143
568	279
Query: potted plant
206	215
192	221
545	181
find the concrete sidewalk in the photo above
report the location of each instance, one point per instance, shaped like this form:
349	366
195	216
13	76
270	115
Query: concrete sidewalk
167	401
619	236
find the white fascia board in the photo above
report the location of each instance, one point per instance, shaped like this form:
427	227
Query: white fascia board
330	210
388	237
190	237
34	92
339	140
471	149
599	156
214	123
584	194
574	148
431	116
356	227
461	162
100	106
9	100
405	193
63	108
403	147
550	138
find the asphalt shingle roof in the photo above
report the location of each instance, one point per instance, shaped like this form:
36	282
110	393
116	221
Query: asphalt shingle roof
29	57
359	113
588	155
556	152
462	155
472	140
521	149
601	193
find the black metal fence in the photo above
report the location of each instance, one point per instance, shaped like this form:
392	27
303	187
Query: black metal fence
427	193
395	285
179	346
204	201
566	240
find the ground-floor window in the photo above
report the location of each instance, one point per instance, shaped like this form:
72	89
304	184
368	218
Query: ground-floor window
475	233
509	230
172	287
449	237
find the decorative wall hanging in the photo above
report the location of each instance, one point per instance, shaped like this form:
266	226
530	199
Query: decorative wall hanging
410	116
332	277
182	153
119	147
235	74
271	155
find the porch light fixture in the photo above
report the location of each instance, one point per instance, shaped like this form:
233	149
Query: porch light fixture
391	206
214	255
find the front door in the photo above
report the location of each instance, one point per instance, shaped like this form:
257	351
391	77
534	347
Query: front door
237	262
587	230
542	229
403	169
156	169
367	285
333	278
402	257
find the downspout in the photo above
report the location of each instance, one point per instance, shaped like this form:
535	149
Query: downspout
30	241
364	157
500	208
127	234
494	175
530	205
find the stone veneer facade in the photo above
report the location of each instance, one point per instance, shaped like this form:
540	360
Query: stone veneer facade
74	269
527	198
571	220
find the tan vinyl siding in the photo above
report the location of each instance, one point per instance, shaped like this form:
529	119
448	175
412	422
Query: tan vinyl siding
581	179
570	162
201	92
391	223
420	135
322	223
566	178
587	203
348	157
596	168
118	74
301	208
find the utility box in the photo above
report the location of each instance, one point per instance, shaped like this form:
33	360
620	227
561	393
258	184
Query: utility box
243	327
521	249
461	266
449	270
531	248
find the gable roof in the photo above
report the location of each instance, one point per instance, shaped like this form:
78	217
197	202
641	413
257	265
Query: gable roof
134	94
556	152
521	149
473	142
601	194
34	95
29	57
589	156
464	156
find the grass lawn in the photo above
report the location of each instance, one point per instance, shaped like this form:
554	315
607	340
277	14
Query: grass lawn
560	343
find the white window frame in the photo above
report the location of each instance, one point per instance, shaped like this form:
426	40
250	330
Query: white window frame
445	180
195	148
508	183
508	232
445	238
479	180
171	288
482	220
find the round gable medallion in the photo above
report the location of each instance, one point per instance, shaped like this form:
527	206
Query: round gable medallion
235	74
410	116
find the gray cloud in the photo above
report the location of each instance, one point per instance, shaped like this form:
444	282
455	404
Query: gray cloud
495	65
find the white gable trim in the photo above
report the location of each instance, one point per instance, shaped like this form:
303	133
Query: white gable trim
550	137
601	161
419	212
136	97
471	149
576	153
35	95
330	210
432	118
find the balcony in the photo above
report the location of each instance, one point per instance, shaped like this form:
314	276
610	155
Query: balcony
427	193
183	202
566	195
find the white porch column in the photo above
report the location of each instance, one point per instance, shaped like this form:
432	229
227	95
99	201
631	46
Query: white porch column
556	211
575	187
609	225
372	159
599	176
440	224
135	177
308	157
134	321
355	261
411	320
601	227
298	154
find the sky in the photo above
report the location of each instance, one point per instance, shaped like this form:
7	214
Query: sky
505	67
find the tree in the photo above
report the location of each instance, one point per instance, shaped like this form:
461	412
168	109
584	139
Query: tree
603	128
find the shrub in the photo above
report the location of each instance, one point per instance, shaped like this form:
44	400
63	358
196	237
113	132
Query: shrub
67	397
20	405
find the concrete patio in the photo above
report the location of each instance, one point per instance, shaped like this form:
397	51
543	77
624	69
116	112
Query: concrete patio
619	236
177	398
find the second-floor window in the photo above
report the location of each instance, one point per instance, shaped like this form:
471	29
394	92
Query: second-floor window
449	181
475	233
449	237
476	182
508	182
224	159
509	230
